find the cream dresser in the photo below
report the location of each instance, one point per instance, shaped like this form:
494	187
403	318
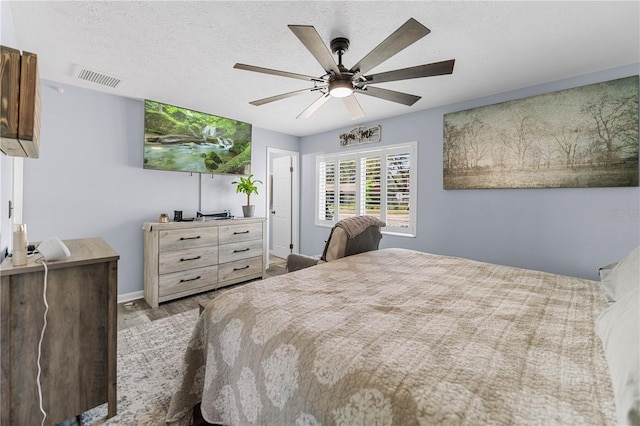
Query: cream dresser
184	258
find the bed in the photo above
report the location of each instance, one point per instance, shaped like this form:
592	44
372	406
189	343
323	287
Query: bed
400	337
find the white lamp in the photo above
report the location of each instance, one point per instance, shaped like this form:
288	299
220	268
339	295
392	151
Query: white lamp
340	88
53	249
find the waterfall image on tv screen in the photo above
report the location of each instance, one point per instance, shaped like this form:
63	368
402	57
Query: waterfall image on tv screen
180	139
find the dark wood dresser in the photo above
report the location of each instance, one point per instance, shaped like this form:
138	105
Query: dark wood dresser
79	348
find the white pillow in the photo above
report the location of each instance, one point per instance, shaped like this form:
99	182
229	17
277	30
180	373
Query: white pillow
623	278
619	329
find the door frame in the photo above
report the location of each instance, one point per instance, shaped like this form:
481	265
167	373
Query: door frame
295	203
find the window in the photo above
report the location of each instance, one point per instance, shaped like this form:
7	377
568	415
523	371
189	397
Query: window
379	182
347	188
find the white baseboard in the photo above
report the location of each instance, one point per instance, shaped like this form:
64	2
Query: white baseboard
128	297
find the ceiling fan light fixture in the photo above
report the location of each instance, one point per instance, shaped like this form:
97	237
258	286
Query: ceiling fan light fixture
340	88
340	82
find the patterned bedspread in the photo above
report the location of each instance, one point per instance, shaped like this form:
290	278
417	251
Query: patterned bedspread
399	337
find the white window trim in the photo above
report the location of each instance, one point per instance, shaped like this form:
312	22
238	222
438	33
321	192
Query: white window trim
411	231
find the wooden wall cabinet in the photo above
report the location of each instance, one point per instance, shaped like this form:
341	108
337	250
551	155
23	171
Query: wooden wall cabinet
20	103
184	258
79	347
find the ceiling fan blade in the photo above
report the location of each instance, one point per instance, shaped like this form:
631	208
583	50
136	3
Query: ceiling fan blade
353	106
314	106
427	70
275	72
281	96
313	42
390	95
410	32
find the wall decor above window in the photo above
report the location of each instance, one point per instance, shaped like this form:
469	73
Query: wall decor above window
360	135
581	137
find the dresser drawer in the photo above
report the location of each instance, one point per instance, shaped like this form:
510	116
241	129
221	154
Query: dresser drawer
241	268
240	232
178	239
188	280
174	261
238	251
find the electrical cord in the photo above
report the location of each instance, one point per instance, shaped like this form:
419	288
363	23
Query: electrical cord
44	327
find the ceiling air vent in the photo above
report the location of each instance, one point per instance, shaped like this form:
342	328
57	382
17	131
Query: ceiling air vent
97	77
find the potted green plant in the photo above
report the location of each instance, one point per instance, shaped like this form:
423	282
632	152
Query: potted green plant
247	186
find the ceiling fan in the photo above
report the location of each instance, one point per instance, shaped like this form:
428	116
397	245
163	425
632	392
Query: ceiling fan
340	82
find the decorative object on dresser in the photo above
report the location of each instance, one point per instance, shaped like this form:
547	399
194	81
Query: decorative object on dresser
247	186
184	258
219	215
78	352
20	110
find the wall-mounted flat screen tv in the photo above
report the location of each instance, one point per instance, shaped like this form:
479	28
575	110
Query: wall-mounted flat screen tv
180	139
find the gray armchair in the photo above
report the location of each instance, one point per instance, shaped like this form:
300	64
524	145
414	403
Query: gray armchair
348	236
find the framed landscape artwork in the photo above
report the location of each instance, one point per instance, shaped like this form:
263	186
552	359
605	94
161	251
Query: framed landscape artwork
581	137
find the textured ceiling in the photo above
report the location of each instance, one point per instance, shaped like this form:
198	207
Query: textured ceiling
183	52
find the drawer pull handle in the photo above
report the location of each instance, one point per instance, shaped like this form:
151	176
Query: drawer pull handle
240	269
190	279
240	251
189	238
184	259
242	232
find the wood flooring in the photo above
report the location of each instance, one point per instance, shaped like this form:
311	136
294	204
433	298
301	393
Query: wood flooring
139	312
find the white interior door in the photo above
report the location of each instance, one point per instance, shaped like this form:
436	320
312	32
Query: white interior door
281	217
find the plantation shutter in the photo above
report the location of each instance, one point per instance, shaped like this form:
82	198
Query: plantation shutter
370	185
378	182
347	188
398	179
326	190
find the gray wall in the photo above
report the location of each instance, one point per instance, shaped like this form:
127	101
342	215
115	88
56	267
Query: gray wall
570	231
89	179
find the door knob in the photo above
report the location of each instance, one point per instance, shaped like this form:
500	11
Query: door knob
273	212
